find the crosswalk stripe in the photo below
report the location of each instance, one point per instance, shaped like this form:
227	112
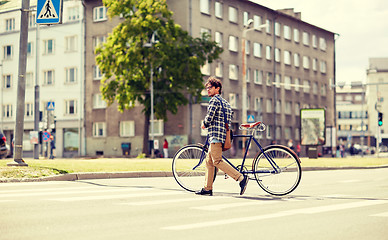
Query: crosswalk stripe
59	192
147	194
45	189
384	214
176	200
218	207
312	210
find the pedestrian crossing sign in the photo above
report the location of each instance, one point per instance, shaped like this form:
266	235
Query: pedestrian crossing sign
251	119
49	12
50	106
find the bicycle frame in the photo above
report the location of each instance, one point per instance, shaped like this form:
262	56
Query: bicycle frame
250	137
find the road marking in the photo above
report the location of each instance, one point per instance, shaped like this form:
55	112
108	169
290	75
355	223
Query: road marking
45	189
218	207
60	192
384	214
131	195
312	210
176	200
350	181
2	201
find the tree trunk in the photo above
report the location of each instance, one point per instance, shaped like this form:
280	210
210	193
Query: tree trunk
145	136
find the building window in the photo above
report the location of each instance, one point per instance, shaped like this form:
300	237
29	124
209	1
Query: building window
268	52
99	129
247	47
287	133
48	46
9	24
306	88
315	64
71	75
205	30
287	82
277	29
315	88
258	78
297	83
297	109
269	79
288	107
29	79
287	57
7	80
204	6
218	38
233	100
306	62
269	106
97	75
258	102
71	107
205	69
127	128
245	18
278	132
269	26
278	80
29	49
219	69
268	132
29	110
277	55
99	14
7	111
218	10
71	43
73	13
315	41
323	67
158	128
322	44
257	21
98	40
296	35
8	52
233	14
287	32
306	38
233	43
324	90
248	75
233	72
48	77
257	49
98	102
31	20
296	60
297	134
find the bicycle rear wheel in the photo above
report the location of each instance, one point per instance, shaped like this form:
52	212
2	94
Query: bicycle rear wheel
283	175
189	167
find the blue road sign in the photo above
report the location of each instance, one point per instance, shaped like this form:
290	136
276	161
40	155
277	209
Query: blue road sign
50	106
251	119
46	136
49	12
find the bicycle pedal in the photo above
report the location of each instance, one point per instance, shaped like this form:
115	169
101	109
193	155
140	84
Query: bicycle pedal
226	176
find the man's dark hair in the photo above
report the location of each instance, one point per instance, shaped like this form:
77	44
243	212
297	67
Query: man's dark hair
213	81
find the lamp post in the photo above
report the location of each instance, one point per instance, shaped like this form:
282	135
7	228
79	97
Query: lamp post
149	45
244	72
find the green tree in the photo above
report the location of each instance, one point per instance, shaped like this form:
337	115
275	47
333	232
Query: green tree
175	57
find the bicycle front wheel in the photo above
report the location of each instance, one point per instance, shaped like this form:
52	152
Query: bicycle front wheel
189	167
277	170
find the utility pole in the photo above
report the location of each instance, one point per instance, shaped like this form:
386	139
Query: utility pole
21	90
36	96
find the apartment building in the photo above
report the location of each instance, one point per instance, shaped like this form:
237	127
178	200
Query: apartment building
290	66
376	88
58	49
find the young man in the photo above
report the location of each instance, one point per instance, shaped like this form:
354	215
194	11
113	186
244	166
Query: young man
214	122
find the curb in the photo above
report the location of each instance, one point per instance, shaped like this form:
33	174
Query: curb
101	175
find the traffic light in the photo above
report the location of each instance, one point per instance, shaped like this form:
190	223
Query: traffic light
380	119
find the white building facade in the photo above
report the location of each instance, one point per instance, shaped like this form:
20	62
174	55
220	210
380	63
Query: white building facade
55	60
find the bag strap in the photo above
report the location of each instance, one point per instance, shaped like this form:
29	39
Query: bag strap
224	111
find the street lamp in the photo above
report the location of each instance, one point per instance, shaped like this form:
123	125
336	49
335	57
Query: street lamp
149	45
244	71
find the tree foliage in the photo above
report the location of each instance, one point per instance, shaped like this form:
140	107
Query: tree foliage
176	58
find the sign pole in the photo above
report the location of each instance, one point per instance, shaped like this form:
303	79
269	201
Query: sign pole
21	90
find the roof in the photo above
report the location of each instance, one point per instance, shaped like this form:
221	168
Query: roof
378	63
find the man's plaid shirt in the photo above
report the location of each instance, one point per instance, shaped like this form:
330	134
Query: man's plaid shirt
214	119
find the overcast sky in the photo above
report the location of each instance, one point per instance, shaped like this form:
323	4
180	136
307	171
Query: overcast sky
362	25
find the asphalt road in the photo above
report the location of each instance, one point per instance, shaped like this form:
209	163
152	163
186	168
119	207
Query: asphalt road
338	204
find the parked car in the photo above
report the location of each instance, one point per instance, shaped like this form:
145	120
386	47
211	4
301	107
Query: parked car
4	149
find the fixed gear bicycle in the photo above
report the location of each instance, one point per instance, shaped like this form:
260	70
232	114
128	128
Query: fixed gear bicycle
275	168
